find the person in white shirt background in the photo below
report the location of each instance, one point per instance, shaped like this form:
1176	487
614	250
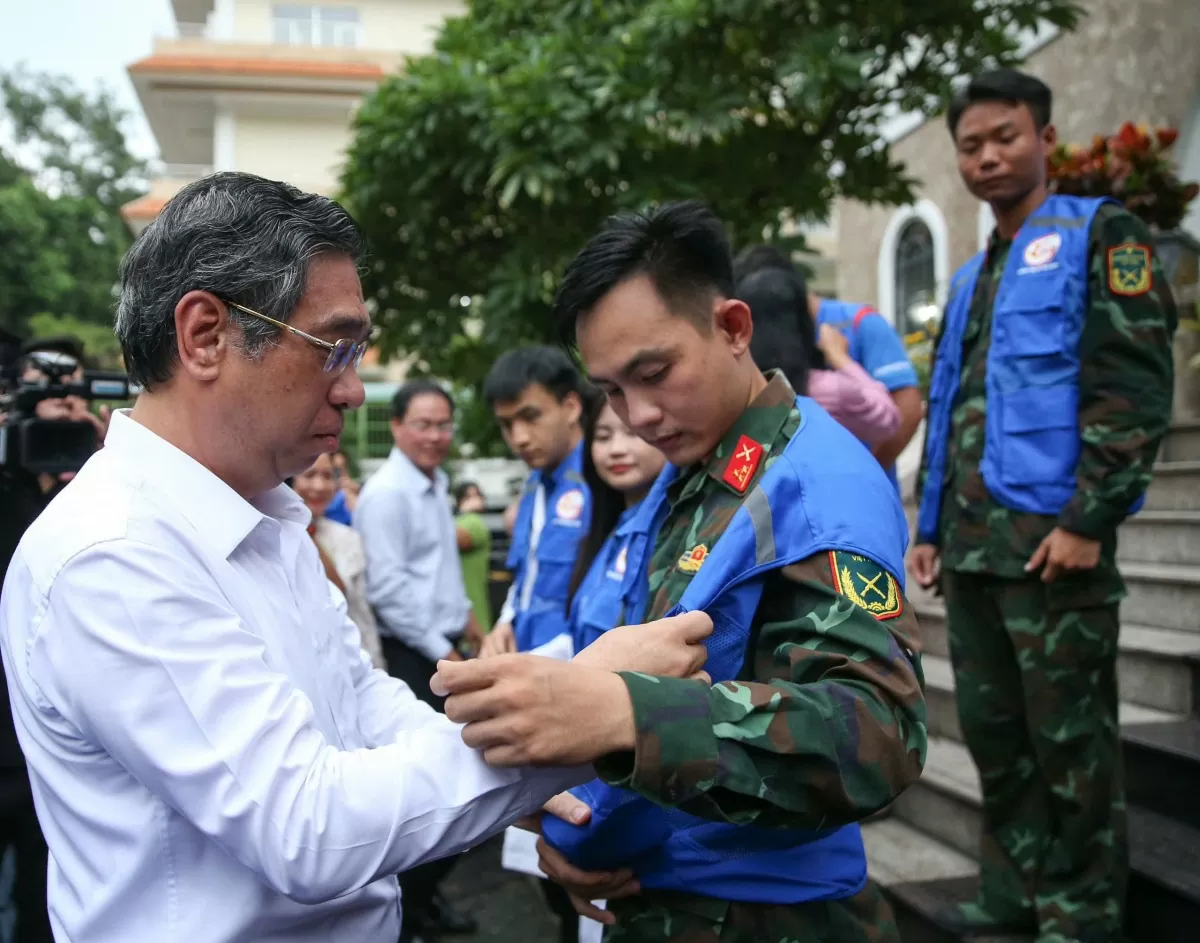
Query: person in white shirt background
212	756
317	486
415	586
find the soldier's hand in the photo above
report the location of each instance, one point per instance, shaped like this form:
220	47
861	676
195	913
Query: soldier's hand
501	640
564	806
671	648
923	564
587	886
525	710
1062	550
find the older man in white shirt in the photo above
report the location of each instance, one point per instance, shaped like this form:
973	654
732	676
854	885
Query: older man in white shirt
212	756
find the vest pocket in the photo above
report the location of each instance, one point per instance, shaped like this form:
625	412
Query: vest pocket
1040	434
1040	333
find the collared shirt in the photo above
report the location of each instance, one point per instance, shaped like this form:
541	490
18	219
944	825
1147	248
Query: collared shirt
414	576
212	756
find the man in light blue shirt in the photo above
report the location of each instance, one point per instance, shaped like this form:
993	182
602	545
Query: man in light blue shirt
415	586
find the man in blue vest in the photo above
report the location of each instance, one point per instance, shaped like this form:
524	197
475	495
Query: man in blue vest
1051	392
536	394
874	345
780	525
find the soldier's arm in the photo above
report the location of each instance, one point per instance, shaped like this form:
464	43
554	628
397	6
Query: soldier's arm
923	468
831	729
1125	378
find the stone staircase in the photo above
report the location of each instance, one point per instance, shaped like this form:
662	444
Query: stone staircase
923	855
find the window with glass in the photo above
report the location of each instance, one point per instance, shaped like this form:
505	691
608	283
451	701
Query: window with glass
308	25
916	280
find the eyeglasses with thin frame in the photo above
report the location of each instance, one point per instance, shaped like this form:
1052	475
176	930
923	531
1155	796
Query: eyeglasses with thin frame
342	353
424	426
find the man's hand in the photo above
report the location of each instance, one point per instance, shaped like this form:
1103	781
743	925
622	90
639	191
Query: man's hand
500	641
923	564
563	806
1062	550
587	886
669	647
525	710
834	345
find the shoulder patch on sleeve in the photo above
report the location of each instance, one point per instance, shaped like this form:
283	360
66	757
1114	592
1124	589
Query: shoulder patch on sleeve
866	584
1129	271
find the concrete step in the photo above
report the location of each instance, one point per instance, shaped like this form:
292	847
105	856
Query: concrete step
1158	668
1162	768
1163	595
942	714
1164	892
1182	443
1175	487
1160	537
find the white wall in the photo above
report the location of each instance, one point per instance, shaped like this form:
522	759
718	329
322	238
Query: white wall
398	25
306	152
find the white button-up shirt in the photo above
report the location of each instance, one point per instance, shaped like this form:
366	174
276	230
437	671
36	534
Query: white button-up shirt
414	575
213	757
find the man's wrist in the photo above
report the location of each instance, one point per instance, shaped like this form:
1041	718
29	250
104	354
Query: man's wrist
620	730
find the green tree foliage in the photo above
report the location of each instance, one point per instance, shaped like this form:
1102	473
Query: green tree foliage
62	184
482	169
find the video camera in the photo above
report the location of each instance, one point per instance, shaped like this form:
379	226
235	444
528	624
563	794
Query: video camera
36	444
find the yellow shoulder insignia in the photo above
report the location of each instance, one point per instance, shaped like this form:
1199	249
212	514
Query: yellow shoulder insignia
866	584
1129	271
691	561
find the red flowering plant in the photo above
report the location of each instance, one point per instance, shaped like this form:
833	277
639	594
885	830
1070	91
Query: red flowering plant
1131	166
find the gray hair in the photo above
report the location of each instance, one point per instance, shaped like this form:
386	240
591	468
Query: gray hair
245	239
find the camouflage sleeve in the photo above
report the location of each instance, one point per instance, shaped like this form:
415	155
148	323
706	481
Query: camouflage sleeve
1126	373
831	729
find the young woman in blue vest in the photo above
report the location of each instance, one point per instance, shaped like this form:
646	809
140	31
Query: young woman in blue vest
1050	394
619	468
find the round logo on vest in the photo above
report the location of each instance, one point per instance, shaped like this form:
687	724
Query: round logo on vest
570	506
1043	249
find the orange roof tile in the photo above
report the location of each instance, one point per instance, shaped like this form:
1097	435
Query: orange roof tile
292	68
146	207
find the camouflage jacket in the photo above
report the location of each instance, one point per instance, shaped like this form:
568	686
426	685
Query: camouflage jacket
1125	388
827	722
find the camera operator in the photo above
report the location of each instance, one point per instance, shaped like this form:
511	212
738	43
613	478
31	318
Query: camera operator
23	495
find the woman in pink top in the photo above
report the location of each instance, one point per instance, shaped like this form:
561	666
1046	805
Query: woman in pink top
783	340
851	395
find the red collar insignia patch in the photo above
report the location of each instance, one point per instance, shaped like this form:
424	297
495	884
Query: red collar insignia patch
742	464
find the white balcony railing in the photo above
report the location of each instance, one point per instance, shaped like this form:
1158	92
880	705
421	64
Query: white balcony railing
194	31
185	173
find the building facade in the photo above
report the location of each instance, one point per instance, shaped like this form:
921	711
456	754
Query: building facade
268	87
1135	62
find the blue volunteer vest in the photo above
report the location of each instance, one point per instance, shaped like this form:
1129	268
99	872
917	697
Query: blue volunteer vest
568	509
824	492
600	601
845	316
1031	437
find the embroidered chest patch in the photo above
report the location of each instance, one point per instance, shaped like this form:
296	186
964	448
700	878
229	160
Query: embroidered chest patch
570	506
1129	269
866	584
691	561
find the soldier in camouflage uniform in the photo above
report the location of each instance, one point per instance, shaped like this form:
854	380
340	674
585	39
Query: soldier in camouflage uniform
826	724
1031	598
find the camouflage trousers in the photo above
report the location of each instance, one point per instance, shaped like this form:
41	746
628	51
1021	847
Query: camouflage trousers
657	917
1037	701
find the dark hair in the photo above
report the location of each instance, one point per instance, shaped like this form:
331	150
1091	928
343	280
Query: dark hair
784	336
411	390
607	501
1002	85
516	370
756	258
245	239
461	489
681	247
